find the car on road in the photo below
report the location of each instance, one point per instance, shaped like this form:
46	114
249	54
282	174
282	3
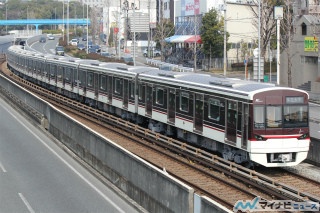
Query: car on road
81	46
106	54
42	39
59	50
153	52
92	50
50	37
127	59
84	38
97	47
74	42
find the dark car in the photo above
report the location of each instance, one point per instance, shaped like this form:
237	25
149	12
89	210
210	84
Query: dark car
81	46
97	47
42	40
92	50
59	50
84	38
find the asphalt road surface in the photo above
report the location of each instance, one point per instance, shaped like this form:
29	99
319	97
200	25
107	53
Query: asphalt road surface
37	176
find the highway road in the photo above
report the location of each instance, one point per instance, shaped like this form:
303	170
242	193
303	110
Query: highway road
37	176
5	42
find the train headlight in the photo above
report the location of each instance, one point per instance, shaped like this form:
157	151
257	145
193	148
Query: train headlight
259	138
303	136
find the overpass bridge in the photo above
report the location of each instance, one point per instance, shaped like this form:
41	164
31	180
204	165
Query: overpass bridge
38	22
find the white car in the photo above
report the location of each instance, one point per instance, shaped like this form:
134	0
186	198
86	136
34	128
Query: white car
153	53
50	37
74	42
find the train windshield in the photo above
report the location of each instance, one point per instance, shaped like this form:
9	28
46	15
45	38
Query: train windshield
276	116
295	116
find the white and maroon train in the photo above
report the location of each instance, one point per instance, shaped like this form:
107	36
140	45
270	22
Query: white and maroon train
245	121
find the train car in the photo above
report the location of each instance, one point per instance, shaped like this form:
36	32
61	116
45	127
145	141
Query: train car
247	122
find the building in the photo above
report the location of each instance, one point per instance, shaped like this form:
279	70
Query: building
304	51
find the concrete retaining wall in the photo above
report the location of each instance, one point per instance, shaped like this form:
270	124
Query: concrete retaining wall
150	187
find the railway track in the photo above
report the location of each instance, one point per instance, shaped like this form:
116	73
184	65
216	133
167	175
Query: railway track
208	174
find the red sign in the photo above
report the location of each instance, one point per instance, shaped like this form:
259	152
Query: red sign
116	30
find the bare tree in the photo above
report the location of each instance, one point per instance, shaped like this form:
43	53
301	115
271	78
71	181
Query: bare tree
287	36
164	29
267	22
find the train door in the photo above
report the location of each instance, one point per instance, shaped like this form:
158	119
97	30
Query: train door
245	123
231	122
125	93
172	105
96	84
198	112
149	99
109	89
239	120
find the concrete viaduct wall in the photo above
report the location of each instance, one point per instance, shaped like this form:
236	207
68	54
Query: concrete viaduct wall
153	189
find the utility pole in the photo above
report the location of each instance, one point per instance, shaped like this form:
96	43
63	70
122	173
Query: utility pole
195	43
68	22
259	45
87	28
225	40
7	16
149	33
63	20
118	36
134	33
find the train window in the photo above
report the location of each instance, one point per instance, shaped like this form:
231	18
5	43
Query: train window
75	76
184	101
131	89
103	82
60	71
295	116
89	79
117	86
142	92
67	75
53	70
214	109
159	96
258	114
274	116
82	78
47	68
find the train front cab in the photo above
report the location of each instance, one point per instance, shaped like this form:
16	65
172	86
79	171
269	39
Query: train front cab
280	128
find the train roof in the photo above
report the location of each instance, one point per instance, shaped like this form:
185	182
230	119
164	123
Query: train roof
209	82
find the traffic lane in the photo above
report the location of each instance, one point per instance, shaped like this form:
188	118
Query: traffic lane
36	175
5	43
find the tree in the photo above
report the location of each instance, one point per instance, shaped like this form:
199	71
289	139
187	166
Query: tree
164	29
212	34
287	36
267	22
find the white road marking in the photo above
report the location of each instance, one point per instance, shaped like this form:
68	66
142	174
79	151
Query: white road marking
2	167
26	203
67	164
